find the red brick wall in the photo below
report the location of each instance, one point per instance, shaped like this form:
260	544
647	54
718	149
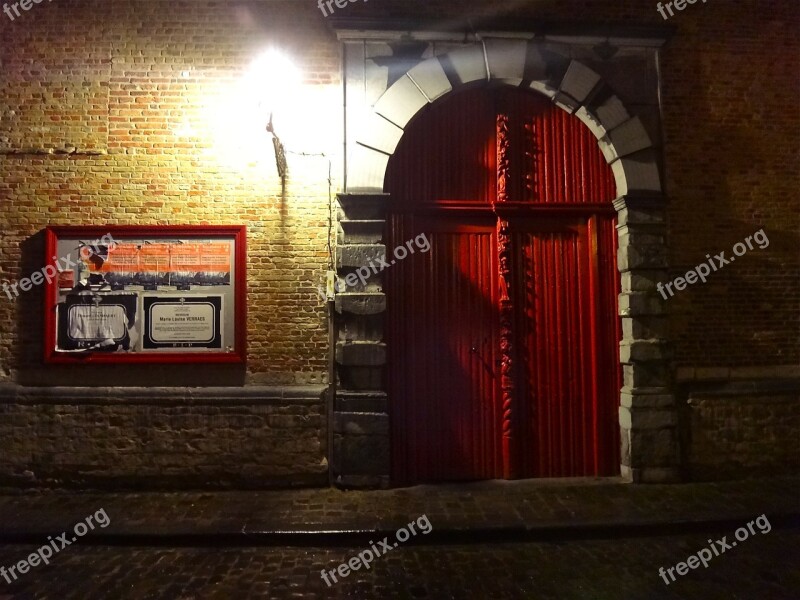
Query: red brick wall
107	77
109	115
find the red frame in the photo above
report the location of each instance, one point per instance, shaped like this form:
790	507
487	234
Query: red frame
239	235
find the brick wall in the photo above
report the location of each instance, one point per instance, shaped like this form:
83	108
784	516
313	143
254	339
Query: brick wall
120	112
123	113
129	113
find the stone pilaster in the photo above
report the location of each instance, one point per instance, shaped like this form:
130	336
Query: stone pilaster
648	412
361	420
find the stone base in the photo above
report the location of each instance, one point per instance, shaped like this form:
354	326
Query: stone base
163	438
651	475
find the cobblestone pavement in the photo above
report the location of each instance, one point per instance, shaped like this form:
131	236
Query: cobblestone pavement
762	567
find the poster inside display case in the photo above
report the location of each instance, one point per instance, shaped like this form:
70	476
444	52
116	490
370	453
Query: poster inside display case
145	294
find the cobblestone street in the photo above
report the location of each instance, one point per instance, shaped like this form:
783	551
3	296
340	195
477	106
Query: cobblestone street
765	566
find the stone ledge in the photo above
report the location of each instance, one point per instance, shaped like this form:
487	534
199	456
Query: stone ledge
356	402
162	396
361	303
702	375
787	391
639	398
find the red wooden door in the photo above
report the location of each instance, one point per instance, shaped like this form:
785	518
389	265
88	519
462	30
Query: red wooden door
568	424
443	351
502	376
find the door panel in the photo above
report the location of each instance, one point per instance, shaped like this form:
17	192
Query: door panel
570	370
443	340
556	342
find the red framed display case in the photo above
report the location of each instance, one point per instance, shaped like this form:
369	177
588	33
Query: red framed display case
145	294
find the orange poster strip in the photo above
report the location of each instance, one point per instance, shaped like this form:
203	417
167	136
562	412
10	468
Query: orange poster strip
167	257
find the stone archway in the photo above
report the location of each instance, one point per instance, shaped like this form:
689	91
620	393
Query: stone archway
647	414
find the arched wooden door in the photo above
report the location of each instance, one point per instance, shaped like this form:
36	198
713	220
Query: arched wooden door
503	338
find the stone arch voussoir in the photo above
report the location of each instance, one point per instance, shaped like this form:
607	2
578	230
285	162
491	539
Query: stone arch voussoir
570	84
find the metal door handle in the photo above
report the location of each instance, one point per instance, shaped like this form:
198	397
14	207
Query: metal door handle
474	350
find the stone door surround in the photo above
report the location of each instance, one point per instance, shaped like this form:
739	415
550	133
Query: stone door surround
375	124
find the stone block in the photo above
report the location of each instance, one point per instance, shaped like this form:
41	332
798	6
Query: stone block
358	402
362	378
654	448
632	211
366	169
641	257
355	207
374	76
610	112
544	66
579	81
361	354
629	137
643	351
379	134
646	375
365	328
401	102
361	303
356	455
644	328
367	231
625	447
637	304
359	255
430	77
637	173
468	64
642	280
506	58
646	418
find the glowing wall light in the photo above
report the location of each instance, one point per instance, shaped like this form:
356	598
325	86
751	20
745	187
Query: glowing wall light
245	115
